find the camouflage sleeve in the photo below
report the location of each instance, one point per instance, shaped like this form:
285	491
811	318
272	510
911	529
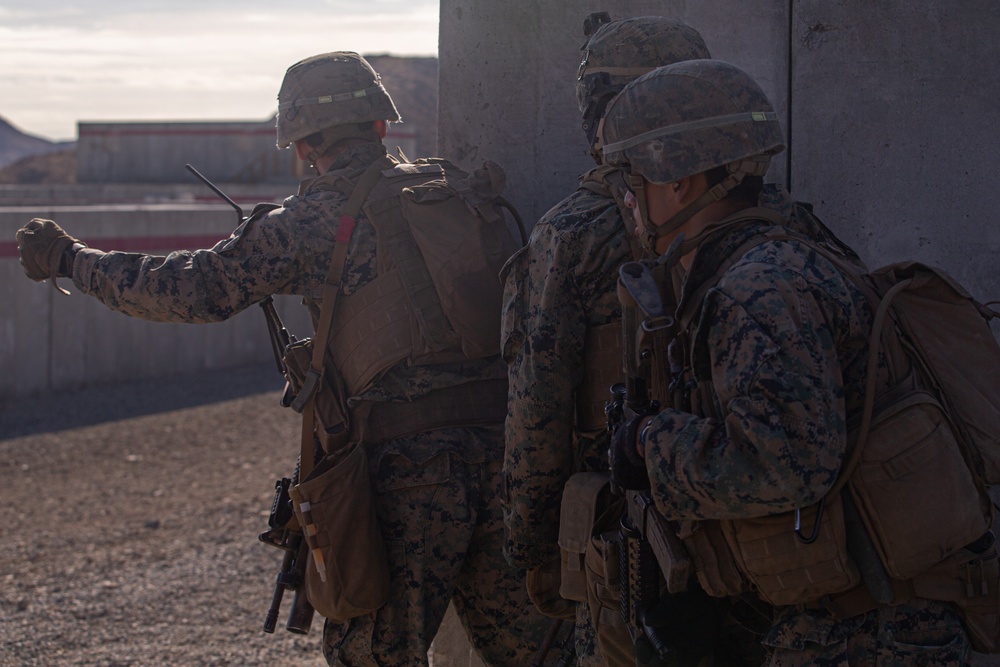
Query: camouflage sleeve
263	256
542	339
772	338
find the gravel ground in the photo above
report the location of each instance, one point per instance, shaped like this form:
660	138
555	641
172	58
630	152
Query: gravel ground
128	523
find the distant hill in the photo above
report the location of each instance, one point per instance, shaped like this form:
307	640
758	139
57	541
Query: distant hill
412	82
15	144
42	169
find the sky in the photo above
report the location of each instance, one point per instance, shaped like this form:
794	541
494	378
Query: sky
113	60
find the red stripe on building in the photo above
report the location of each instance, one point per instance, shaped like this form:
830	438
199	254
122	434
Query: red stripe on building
144	244
145	131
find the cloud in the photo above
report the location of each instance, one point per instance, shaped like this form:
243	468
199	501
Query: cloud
211	60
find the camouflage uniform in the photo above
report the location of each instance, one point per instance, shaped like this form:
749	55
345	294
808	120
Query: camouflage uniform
558	286
559	304
437	492
782	339
775	343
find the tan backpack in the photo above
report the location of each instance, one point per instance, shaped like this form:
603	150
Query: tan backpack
919	462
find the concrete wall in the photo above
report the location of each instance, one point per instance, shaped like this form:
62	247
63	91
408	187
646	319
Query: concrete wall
51	342
889	109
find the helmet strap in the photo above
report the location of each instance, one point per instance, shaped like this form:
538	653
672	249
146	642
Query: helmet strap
753	166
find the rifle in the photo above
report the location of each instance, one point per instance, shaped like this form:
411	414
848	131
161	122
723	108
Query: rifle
649	546
282	532
291	576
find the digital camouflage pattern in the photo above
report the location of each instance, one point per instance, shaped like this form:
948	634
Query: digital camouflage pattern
562	283
921	632
558	286
327	90
287	251
440	514
781	343
629	47
619	51
687	118
438	491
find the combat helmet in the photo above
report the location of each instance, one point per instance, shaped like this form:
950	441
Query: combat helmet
329	90
619	51
685	119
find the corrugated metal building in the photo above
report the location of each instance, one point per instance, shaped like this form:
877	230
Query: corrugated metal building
225	152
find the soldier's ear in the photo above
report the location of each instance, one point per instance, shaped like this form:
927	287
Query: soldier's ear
302	149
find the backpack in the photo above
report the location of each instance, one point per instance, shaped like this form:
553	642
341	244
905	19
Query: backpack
443	237
922	454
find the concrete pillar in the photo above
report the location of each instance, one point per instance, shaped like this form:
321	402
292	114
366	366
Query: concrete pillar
888	108
508	75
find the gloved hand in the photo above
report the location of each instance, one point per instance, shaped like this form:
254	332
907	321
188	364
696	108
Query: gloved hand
43	246
628	469
543	590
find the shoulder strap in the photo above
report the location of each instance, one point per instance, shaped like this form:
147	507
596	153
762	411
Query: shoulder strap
686	317
305	400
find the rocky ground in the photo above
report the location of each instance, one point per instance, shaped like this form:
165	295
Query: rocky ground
129	525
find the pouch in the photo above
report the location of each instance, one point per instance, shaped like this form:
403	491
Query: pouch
347	573
585	496
785	570
913	488
713	559
971	582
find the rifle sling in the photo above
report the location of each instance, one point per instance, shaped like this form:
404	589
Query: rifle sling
331	288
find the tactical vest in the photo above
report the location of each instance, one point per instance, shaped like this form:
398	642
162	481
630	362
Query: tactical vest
442	237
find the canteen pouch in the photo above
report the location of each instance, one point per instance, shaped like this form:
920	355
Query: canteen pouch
330	407
603	569
913	488
585	496
347	573
782	567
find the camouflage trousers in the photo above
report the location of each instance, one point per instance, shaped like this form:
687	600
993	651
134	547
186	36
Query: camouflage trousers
922	632
441	519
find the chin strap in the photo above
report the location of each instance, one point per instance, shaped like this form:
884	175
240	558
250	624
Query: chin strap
752	166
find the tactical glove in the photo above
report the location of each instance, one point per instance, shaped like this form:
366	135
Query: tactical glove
628	469
43	246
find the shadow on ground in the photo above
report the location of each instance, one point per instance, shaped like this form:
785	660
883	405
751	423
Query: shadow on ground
46	413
